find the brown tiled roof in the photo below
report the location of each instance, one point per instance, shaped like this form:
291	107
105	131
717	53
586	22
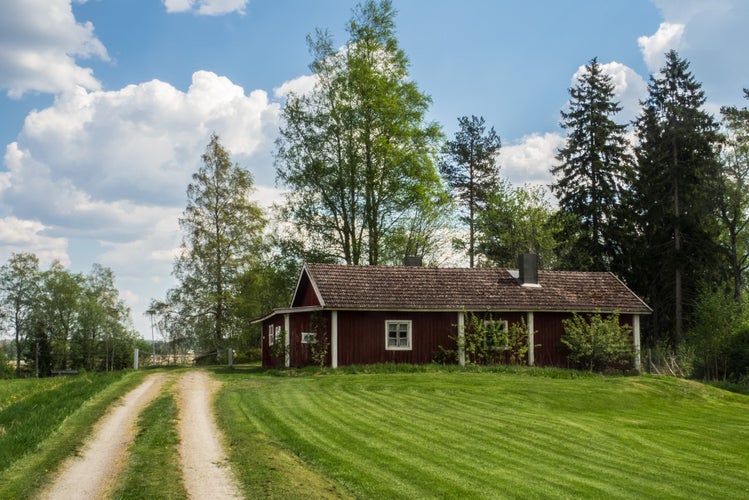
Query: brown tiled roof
430	288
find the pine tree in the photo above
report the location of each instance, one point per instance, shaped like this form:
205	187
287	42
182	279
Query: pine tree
593	173
676	193
470	167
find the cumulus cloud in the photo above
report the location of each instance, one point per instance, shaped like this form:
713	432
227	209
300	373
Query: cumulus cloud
207	7
529	160
39	43
300	86
19	236
94	159
629	88
669	36
711	27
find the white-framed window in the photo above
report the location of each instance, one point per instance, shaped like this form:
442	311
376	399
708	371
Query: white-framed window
398	335
274	334
309	338
496	334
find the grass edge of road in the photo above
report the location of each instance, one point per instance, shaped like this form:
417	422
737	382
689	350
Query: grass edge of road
26	476
153	468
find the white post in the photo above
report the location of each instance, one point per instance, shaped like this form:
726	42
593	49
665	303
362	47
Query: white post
461	339
230	356
135	359
531	340
286	323
636	340
334	339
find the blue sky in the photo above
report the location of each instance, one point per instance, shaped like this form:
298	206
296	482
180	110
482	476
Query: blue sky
107	105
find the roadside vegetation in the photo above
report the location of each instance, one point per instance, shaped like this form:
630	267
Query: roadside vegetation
483	433
43	421
153	470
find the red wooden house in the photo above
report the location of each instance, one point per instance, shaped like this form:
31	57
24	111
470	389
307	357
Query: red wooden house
376	314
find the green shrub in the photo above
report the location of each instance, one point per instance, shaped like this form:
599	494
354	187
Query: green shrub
6	366
597	343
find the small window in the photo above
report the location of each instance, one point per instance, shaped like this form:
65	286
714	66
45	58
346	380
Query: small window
309	338
398	335
274	334
271	335
496	335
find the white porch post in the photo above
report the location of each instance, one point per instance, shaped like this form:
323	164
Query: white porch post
461	339
286	324
531	341
636	340
334	339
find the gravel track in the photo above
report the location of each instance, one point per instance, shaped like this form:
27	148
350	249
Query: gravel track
93	472
205	469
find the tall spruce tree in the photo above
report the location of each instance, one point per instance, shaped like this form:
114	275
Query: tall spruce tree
470	167
594	171
356	153
676	192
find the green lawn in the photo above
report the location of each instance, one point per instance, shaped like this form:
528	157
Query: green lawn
468	434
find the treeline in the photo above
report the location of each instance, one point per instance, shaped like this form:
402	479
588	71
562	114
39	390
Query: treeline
661	202
62	321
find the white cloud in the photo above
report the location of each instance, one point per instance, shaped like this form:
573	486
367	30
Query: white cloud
18	236
106	172
94	159
529	160
669	36
300	86
714	36
39	43
207	7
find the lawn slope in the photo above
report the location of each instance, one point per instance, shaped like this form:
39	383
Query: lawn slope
475	435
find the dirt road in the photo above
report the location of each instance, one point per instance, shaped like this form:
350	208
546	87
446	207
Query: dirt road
205	468
93	473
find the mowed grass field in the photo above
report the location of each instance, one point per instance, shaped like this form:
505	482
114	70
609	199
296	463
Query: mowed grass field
520	434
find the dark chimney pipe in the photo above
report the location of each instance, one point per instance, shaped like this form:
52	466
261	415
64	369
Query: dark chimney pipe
412	261
528	269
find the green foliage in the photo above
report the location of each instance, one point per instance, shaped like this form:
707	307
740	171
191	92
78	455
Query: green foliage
279	349
6	369
517	221
19	294
222	240
597	342
733	204
63	320
319	349
356	153
469	165
488	341
719	337
675	250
